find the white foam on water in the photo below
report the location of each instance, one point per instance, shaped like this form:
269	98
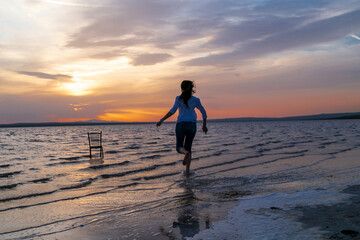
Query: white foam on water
267	217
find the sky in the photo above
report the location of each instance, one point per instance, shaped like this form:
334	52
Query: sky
124	60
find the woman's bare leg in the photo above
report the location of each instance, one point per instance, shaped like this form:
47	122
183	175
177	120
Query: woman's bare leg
187	155
187	160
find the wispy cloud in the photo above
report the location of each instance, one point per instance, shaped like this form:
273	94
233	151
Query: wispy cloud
72	3
59	77
311	34
151	58
354	36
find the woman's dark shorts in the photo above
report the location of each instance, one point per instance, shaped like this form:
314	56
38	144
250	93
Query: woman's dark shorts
185	131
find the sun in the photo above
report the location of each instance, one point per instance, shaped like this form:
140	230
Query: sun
78	87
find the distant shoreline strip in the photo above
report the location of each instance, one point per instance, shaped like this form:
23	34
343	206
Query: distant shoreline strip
330	116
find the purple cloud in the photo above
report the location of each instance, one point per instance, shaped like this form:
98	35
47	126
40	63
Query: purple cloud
317	32
151	58
60	77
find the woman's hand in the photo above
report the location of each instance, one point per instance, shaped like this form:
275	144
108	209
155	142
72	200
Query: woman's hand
204	126
169	114
205	130
159	123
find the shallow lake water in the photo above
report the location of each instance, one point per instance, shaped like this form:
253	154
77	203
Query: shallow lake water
51	189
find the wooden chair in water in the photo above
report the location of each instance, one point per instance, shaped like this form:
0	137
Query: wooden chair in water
95	142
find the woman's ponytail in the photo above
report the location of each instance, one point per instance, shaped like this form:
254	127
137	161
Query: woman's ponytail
187	87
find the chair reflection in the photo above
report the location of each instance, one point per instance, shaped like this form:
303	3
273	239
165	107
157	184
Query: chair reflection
96	160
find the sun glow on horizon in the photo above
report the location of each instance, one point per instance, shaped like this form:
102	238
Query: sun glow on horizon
73	119
133	115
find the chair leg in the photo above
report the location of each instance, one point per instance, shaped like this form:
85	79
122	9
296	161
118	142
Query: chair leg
90	153
101	152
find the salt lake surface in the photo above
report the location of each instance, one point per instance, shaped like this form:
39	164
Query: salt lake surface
50	189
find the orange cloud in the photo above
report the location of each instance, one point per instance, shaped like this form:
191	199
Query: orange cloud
133	115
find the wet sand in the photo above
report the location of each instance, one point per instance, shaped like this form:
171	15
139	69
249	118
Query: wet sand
311	214
338	221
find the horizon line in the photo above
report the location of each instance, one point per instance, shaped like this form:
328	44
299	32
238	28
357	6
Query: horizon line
100	122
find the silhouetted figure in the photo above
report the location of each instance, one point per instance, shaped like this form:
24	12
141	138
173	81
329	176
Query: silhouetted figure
186	121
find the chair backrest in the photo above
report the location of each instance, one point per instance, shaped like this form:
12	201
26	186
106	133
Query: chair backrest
95	139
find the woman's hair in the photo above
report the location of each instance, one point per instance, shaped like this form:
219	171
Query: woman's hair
188	89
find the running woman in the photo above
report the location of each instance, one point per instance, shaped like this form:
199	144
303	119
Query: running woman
186	121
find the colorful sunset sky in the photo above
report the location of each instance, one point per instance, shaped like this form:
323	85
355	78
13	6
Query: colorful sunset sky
124	60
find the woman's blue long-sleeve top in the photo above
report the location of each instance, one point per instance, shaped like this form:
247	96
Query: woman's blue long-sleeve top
188	114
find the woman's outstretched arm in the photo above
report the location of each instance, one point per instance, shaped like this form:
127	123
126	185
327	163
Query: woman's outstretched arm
169	114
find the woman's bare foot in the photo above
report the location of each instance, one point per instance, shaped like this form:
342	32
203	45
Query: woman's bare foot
187	158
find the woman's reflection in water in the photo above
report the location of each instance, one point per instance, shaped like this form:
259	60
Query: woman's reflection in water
188	218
